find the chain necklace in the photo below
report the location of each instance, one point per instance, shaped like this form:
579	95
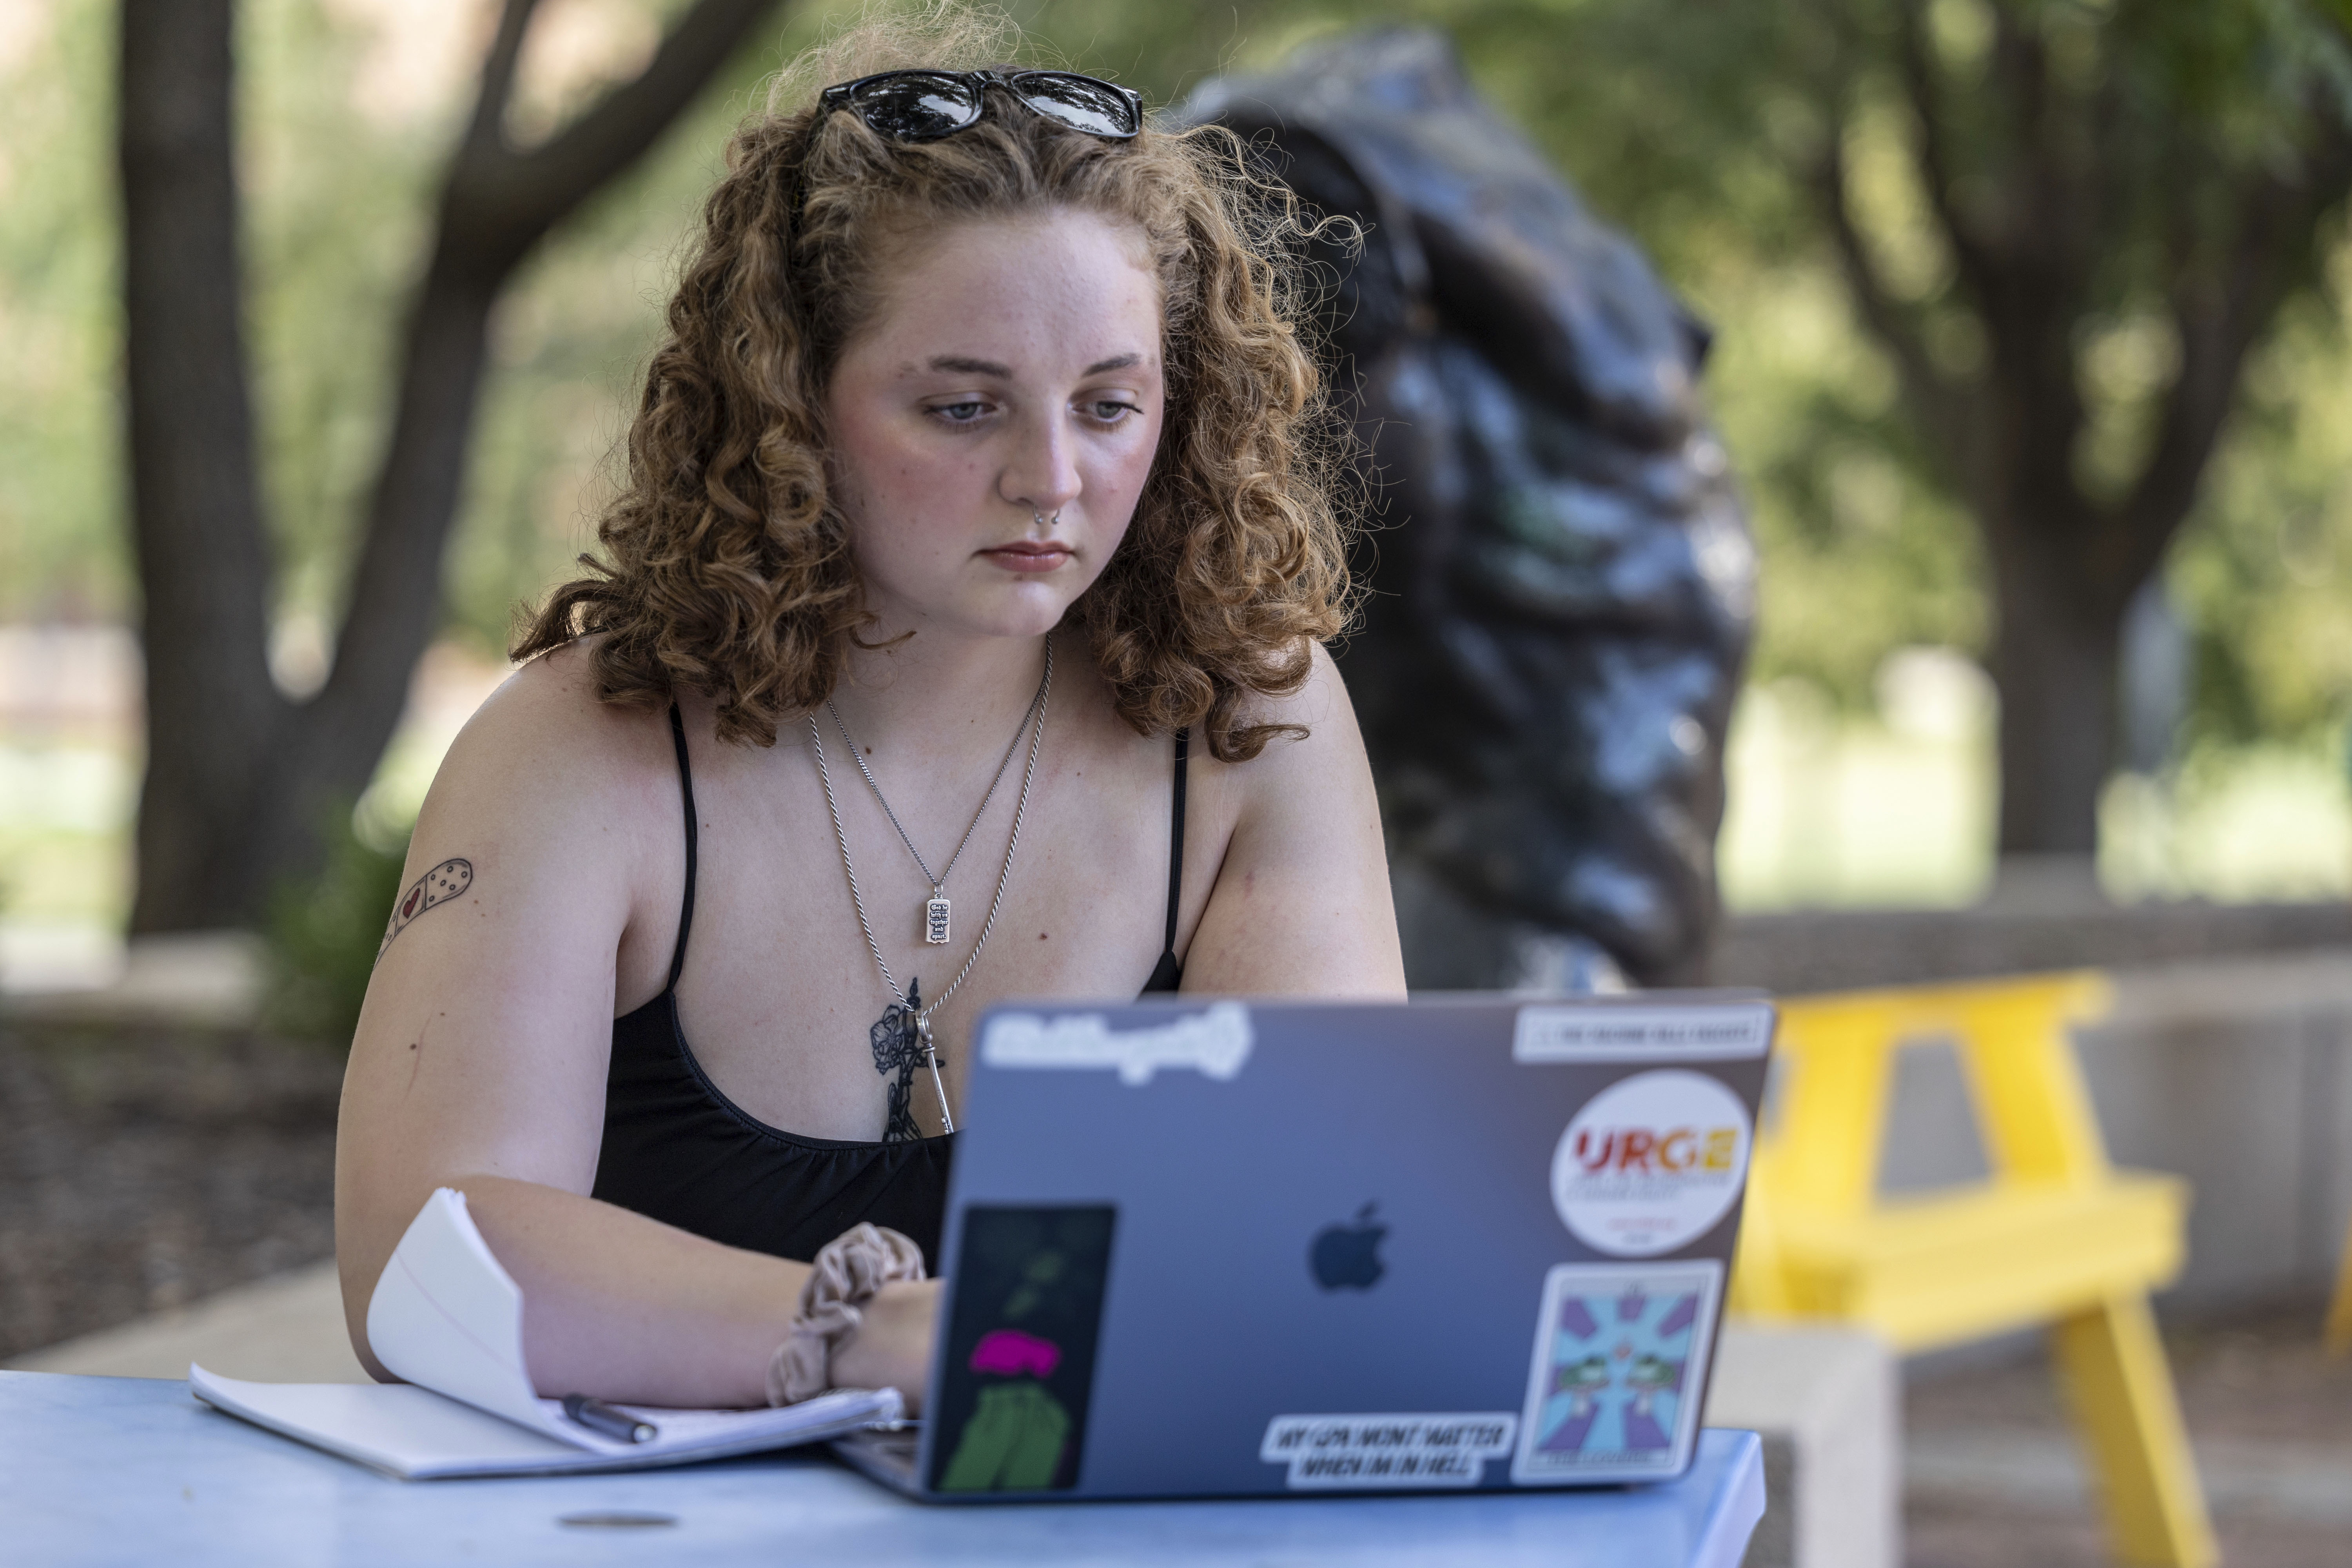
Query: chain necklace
901	1038
936	908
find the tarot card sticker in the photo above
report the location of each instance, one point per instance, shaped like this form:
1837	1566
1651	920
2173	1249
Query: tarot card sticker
1619	1361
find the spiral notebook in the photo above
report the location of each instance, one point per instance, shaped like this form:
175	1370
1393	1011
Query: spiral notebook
448	1318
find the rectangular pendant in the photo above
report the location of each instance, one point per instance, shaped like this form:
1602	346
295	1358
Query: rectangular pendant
935	922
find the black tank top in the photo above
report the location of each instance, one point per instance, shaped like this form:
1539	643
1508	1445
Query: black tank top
679	1151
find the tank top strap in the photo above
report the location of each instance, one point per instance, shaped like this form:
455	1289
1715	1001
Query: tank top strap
1176	842
1168	973
686	790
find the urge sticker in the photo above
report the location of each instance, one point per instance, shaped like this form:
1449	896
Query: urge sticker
1651	1163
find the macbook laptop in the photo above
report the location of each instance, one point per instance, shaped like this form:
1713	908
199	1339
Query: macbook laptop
1226	1248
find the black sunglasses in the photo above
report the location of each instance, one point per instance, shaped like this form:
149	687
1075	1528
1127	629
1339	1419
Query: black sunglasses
924	105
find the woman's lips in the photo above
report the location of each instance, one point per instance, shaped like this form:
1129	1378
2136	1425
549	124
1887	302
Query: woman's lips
1029	557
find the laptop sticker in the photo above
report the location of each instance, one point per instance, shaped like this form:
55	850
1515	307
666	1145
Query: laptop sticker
1329	1453
1664	1033
1214	1042
1651	1163
1620	1361
1020	1372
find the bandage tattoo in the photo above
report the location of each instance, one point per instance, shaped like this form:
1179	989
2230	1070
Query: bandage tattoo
439	886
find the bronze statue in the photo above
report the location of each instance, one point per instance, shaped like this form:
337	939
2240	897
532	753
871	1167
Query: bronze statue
1563	588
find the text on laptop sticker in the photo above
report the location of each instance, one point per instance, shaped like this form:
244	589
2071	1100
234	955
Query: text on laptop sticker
1660	1032
1651	1163
1620	1359
1387	1451
1214	1042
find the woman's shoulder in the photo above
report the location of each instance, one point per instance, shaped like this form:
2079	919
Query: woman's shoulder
1313	722
1310	738
546	743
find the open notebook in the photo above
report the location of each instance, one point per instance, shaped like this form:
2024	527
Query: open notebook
446	1318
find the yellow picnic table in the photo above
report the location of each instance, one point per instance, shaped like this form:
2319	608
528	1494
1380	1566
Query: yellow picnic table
2055	1238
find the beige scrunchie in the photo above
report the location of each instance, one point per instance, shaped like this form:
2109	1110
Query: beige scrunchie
843	1277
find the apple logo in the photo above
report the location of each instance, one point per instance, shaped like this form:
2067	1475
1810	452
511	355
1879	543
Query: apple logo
1348	1256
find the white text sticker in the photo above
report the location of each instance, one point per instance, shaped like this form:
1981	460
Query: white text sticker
1215	1042
1608	1033
1387	1451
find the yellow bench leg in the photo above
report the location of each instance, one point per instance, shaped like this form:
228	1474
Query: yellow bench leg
2121	1388
2339	1309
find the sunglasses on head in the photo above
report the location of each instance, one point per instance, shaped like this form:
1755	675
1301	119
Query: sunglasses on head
924	105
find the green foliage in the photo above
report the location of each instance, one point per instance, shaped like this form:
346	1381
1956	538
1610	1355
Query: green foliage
1697	127
324	936
1689	125
2264	579
61	543
338	191
1681	125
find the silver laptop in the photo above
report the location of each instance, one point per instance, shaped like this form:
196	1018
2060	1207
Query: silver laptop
1228	1248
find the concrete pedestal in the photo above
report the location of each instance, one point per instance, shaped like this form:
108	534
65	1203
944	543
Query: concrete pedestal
1828	1403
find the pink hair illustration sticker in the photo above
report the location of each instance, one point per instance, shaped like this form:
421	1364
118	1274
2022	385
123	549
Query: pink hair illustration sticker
1009	1352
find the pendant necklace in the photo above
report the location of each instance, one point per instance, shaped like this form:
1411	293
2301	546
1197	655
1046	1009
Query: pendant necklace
901	1038
934	922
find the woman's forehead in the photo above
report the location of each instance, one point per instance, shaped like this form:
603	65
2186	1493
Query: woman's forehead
1063	291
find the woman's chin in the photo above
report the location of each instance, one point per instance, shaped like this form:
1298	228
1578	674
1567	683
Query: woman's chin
1023	607
1027	610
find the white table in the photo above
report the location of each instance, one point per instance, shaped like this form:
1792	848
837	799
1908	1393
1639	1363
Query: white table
101	1471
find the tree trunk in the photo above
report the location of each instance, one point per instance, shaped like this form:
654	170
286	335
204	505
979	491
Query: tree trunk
2053	662
238	778
396	596
2062	196
214	717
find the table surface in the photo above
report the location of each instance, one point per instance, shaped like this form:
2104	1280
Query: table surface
132	1471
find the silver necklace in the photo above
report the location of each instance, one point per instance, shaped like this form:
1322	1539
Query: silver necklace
936	908
901	1038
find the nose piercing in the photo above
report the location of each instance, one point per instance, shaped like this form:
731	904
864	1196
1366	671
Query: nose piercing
1042	519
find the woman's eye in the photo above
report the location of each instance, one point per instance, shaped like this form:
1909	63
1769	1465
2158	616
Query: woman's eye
1110	411
961	413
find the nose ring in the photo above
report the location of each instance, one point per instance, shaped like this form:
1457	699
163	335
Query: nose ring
1042	519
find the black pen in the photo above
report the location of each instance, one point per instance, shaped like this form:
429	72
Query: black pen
599	1417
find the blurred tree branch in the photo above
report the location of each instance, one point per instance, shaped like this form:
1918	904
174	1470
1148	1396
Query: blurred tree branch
1940	403
237	773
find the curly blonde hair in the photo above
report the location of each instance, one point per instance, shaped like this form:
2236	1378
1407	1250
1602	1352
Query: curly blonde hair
725	566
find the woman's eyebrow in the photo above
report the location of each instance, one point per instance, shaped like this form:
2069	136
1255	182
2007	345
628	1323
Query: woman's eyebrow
956	364
959	365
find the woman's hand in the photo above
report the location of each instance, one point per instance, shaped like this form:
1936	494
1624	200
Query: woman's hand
892	1348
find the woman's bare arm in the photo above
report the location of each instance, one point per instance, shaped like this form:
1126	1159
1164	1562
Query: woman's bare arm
480	1061
1301	905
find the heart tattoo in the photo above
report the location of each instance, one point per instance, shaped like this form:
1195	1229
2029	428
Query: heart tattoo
439	886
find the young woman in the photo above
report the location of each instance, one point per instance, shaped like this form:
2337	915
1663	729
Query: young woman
956	636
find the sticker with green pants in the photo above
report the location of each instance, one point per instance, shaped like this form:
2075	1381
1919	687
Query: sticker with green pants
1012	1444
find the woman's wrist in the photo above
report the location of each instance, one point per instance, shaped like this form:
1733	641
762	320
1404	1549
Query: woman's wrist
891	1349
846	1276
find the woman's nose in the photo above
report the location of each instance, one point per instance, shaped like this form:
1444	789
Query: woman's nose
1042	475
